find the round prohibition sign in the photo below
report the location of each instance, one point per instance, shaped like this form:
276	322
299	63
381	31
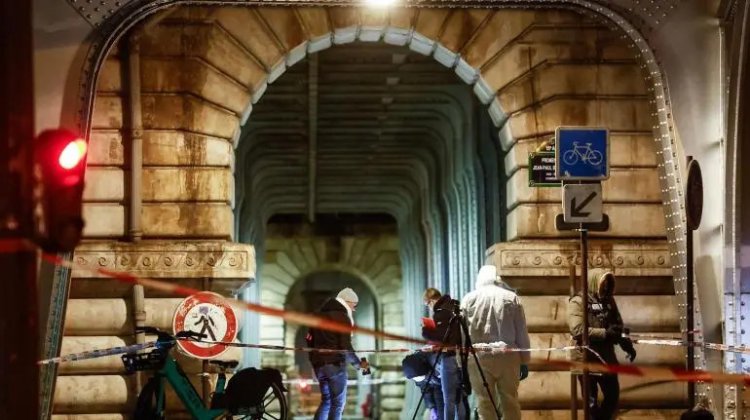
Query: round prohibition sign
205	313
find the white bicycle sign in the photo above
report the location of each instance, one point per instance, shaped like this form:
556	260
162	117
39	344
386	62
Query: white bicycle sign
585	153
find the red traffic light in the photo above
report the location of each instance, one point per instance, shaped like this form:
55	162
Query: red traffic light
59	168
73	154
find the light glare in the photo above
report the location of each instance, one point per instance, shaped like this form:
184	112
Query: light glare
73	153
380	3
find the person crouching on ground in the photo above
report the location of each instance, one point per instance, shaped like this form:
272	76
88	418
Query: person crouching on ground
330	367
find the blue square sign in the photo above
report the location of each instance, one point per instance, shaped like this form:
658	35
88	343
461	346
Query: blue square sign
581	153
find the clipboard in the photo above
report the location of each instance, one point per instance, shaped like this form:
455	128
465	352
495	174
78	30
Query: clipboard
429	323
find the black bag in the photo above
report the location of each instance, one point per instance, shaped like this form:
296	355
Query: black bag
417	364
701	414
248	387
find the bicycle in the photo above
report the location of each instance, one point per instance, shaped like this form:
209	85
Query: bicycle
585	153
248	395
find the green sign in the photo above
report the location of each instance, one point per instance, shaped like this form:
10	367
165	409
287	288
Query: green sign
542	170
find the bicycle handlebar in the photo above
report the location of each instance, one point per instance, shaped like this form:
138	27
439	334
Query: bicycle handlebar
190	334
163	335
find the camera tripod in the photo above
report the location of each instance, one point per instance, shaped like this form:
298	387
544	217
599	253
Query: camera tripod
464	348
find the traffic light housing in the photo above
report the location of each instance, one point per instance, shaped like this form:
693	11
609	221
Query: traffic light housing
59	168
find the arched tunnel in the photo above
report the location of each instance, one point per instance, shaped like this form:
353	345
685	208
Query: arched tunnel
279	154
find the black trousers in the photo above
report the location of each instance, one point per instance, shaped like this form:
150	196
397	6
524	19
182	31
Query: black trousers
610	389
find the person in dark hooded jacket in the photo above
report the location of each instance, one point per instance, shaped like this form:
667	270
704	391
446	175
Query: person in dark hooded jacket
605	331
330	367
449	335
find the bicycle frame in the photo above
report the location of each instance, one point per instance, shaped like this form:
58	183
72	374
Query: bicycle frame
185	390
582	151
152	401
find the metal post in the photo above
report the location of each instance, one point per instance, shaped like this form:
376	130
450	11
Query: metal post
19	327
135	121
585	335
139	319
205	379
133	59
573	380
694	211
312	134
689	315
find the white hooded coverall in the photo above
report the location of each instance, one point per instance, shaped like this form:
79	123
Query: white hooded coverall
495	316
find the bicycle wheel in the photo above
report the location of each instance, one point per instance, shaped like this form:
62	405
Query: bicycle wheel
570	157
273	407
595	157
146	407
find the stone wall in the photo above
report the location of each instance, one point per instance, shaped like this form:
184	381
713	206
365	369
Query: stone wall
202	70
540	271
101	313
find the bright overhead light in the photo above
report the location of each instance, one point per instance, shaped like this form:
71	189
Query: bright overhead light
380	3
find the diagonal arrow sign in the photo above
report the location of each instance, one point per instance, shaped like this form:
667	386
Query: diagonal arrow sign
576	211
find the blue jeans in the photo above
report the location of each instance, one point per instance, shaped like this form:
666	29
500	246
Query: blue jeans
332	380
450	381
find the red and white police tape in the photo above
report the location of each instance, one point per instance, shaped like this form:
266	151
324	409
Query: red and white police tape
96	353
700	344
662	373
673	374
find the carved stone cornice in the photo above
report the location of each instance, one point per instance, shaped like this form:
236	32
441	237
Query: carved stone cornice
554	258
167	259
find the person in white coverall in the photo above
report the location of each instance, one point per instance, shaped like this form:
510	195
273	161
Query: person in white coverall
495	316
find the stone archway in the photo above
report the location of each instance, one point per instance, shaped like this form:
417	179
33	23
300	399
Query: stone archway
307	295
372	260
375	260
191	121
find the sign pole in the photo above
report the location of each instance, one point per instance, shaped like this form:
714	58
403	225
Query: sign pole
582	156
694	211
573	380
585	335
690	321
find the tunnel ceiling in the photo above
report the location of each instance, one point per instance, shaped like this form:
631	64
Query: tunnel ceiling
385	123
391	131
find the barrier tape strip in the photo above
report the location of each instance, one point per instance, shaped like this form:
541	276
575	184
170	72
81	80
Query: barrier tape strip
682	343
289	316
93	354
662	373
661	337
493	347
112	351
672	374
351	382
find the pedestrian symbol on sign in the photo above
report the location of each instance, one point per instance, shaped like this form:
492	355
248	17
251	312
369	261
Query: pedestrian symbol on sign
207	321
209	314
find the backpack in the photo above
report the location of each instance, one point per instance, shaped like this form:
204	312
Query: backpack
416	364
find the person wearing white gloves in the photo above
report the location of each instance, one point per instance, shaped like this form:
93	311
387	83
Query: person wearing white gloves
494	315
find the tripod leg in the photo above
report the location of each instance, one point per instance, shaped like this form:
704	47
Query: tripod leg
468	345
427	382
